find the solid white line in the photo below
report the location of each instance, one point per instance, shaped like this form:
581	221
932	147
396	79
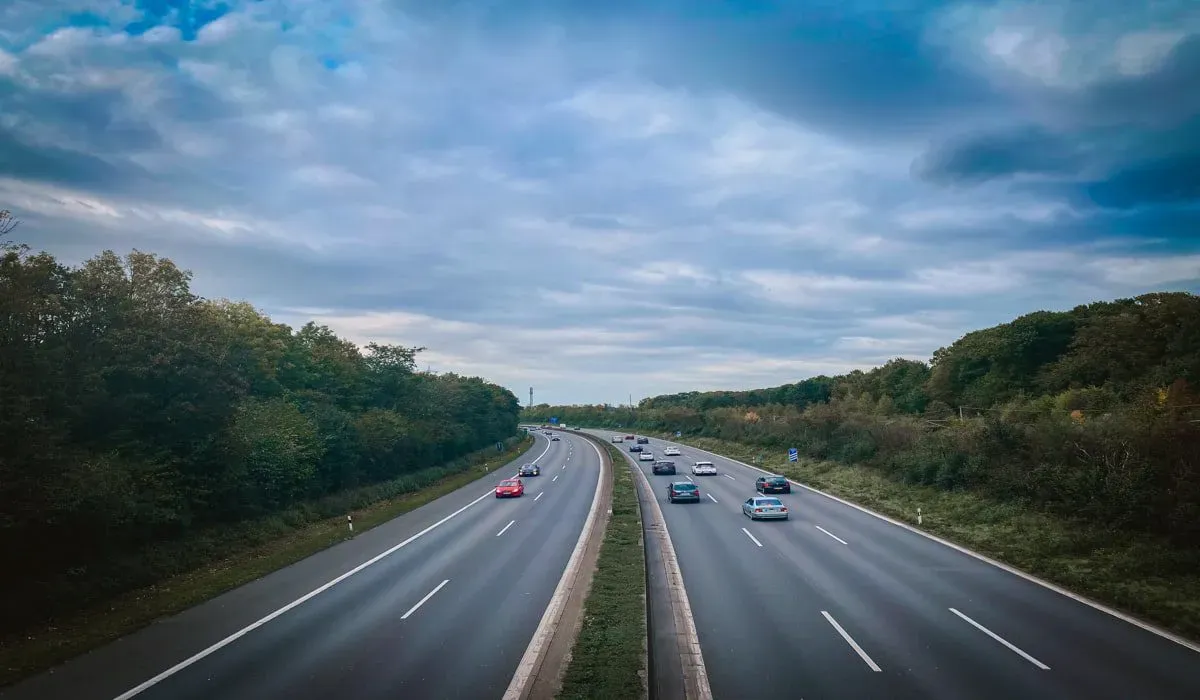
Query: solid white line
554	610
827	532
421	602
1095	605
851	642
299	601
539	495
710	497
752	537
505	528
1003	641
555	477
729	477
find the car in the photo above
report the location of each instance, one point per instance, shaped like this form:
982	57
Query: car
510	488
643	440
555	439
772	484
618	438
682	491
646	457
635	448
704	469
530	470
628	437
663	467
671	452
764	508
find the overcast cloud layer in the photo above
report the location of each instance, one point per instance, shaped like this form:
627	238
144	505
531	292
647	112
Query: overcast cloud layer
609	198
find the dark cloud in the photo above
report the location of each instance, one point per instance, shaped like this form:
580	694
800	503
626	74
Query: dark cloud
60	166
1171	180
976	158
1164	97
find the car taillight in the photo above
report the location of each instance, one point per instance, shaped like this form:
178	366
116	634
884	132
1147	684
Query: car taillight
783	509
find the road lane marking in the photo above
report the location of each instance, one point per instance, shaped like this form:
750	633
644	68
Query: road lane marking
421	602
689	478
710	497
752	537
216	646
853	644
827	532
556	477
505	528
564	466
1003	641
729	477
539	495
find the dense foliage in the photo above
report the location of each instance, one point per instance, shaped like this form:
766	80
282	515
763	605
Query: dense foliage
1089	412
134	413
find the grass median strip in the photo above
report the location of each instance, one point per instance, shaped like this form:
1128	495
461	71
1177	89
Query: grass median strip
1141	574
609	657
242	562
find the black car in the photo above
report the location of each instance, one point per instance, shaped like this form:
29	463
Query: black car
664	468
530	470
643	441
683	491
635	448
772	484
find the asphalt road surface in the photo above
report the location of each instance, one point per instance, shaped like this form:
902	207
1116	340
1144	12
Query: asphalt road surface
836	603
447	615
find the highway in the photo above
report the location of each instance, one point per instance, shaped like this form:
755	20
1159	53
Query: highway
838	603
446	615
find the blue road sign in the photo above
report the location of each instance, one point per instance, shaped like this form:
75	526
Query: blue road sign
793	455
553	420
678	434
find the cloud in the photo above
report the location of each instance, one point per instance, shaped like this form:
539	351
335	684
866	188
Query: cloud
612	198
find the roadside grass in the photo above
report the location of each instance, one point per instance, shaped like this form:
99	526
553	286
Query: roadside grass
246	553
1140	574
609	657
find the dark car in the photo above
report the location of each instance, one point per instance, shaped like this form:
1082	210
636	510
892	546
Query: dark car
635	448
664	467
643	441
772	484
530	470
683	491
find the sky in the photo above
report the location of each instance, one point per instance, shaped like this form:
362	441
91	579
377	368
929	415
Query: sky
613	199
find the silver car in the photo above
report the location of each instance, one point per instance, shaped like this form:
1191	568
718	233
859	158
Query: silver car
764	508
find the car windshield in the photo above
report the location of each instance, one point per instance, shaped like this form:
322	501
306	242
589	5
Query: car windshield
769	502
684	487
508	483
777	481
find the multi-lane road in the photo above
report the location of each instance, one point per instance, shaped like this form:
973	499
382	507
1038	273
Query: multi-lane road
439	603
838	603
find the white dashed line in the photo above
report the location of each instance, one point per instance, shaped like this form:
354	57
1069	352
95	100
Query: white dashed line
505	528
539	495
827	532
1003	641
710	497
752	537
556	477
851	642
689	478
421	602
729	477
564	466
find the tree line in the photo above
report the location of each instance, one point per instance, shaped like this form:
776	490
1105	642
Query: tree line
134	413
1089	412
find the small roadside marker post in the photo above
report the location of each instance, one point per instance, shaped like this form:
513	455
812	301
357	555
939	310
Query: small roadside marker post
920	520
350	522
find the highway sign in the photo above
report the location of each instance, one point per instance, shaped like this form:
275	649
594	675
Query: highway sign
793	455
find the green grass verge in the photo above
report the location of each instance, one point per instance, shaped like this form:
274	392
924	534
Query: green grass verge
240	562
1140	574
609	657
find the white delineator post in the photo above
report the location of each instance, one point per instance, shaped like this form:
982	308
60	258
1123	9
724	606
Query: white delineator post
350	522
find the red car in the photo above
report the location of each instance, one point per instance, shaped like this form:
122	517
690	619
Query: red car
510	488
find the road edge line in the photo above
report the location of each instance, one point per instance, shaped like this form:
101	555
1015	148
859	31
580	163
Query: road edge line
1077	597
529	669
695	681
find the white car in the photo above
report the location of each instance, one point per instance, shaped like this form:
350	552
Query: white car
704	469
671	452
645	457
618	438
